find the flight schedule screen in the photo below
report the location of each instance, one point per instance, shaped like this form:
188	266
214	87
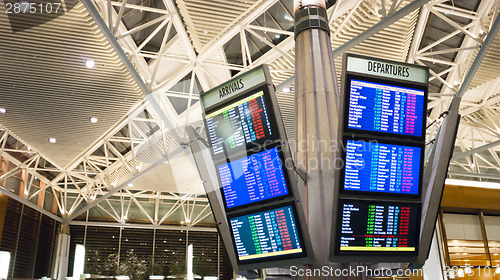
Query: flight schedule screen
232	127
378	226
386	108
270	233
253	178
382	168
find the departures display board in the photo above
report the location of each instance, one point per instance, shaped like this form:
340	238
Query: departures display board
386	107
269	234
378	227
240	124
378	167
254	178
378	190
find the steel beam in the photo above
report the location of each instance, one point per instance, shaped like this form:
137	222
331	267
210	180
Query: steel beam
29	204
370	32
475	175
379	26
479	57
145	226
476	150
116	189
133	72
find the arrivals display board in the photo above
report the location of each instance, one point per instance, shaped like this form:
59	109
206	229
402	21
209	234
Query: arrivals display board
269	234
256	190
376	227
382	167
386	107
378	189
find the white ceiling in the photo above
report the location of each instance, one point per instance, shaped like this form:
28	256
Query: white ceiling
49	92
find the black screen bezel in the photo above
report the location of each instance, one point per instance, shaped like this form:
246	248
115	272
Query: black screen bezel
383	141
347	91
270	113
249	153
303	254
418	209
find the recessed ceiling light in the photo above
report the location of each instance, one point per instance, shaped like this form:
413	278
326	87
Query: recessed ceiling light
89	63
93	120
130	185
52	140
277	36
286	90
3	110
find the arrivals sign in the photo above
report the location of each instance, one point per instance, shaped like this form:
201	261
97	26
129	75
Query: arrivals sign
233	87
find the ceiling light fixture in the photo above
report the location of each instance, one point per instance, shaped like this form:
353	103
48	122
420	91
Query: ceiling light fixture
3	110
286	90
130	185
52	140
93	120
89	63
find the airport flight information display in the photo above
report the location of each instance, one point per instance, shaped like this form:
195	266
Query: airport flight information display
232	127
253	178
378	226
382	168
386	108
267	234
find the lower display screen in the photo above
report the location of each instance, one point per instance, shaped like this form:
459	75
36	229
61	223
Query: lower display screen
367	226
268	234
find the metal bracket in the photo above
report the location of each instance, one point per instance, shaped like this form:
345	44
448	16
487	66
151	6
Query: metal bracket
302	174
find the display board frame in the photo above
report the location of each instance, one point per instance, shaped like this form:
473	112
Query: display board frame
381	194
381	253
255	80
276	260
380	71
391	82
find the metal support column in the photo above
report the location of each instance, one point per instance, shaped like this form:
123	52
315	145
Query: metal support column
61	258
317	121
